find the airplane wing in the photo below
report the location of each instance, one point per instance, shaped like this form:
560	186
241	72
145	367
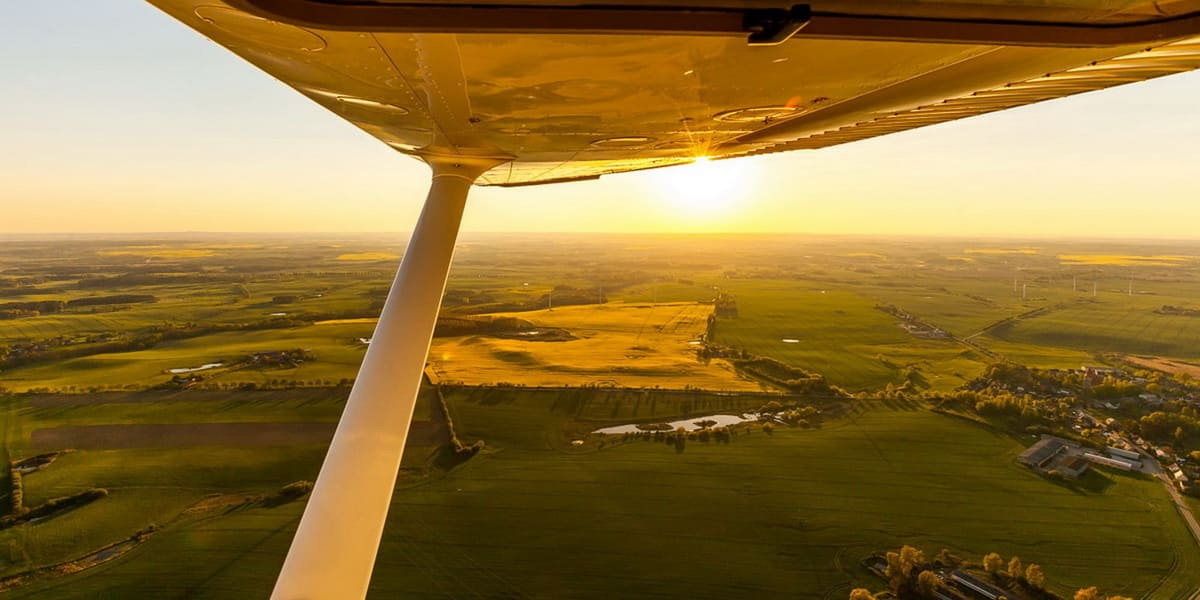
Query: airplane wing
523	92
633	89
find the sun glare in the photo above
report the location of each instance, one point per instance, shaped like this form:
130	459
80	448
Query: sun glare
705	187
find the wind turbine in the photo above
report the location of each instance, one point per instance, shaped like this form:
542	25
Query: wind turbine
544	91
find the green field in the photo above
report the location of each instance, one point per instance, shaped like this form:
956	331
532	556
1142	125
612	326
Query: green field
837	333
534	515
1127	325
336	349
765	515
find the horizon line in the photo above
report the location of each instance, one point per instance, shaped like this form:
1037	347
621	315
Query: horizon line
994	236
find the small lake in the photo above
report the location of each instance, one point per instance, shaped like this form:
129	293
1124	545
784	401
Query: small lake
194	369
686	424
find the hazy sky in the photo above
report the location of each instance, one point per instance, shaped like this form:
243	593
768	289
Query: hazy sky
115	117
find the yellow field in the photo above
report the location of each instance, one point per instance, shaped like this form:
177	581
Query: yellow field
1165	365
368	256
1156	260
631	345
356	321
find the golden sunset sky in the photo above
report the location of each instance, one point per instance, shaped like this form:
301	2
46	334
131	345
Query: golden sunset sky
116	118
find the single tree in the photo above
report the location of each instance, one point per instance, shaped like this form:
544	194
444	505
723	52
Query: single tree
927	583
1088	594
947	558
911	558
893	565
1034	576
861	594
1015	569
993	563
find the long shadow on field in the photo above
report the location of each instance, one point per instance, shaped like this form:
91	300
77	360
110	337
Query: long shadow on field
1092	482
285	528
902	404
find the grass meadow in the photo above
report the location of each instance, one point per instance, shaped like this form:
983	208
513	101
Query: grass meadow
788	514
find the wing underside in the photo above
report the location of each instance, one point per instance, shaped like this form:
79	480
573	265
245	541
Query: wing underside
575	106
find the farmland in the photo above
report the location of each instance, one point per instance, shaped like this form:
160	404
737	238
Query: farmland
934	482
193	378
625	345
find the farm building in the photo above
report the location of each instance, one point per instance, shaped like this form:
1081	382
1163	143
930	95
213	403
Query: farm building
976	587
1123	453
1108	461
1073	467
1043	453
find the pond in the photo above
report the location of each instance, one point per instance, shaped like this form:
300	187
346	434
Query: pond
194	369
689	424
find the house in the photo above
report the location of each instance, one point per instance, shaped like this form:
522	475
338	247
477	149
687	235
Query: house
1094	375
1151	399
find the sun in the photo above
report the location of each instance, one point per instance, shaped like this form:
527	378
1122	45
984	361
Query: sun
704	187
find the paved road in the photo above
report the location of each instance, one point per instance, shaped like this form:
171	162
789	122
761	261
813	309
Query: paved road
1151	466
1181	505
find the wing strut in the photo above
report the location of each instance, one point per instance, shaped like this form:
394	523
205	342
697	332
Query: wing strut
333	552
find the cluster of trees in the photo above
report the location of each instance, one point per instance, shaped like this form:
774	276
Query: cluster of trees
52	507
911	575
724	305
679	437
112	299
1023	410
796	416
1021	379
1014	571
561	295
1092	593
287	493
1180	311
797	381
449	326
16	495
461	450
18	310
1112	387
1048	382
1170	427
